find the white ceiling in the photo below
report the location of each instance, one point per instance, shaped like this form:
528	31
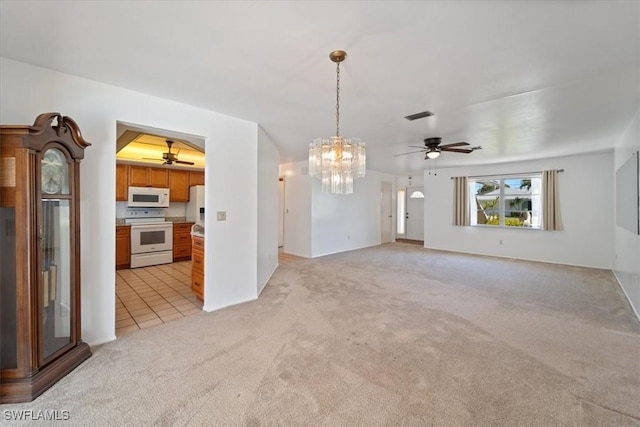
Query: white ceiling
522	79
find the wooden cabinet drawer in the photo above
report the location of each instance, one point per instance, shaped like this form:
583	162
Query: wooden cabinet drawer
181	239
198	243
197	262
182	227
122	230
181	251
197	284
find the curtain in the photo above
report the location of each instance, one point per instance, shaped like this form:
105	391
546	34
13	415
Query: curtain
460	201
550	201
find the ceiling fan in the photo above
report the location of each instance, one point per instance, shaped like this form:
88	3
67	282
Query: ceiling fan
169	158
432	148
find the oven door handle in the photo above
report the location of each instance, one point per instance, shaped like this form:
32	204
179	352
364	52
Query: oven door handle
159	225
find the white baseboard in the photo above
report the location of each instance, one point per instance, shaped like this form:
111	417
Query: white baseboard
635	311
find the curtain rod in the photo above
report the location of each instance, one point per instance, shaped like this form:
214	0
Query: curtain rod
507	174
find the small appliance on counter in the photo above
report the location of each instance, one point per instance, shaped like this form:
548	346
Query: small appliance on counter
195	205
197	230
151	237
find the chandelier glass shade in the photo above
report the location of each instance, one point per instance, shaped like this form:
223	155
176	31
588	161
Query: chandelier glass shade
337	161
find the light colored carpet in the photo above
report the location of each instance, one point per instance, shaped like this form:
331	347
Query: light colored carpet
390	335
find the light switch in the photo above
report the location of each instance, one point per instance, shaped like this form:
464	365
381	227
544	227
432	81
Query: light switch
222	215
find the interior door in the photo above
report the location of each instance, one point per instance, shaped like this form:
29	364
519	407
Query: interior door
281	212
386	213
415	213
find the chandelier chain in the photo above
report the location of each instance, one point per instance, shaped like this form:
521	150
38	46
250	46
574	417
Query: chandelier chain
338	99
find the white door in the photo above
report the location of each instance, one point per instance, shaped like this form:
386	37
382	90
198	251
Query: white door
386	213
281	210
415	213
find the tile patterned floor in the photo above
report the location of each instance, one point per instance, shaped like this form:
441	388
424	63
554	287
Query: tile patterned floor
153	295
284	258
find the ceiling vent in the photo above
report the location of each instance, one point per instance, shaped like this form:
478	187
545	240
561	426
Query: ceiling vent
417	116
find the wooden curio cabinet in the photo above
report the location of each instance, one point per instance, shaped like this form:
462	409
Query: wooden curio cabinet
40	246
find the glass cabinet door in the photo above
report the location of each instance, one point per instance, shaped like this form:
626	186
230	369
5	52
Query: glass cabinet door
55	252
8	312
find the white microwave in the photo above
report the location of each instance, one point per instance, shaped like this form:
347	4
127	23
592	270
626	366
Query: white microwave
148	197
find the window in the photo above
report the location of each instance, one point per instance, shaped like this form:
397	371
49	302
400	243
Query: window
401	212
417	195
506	201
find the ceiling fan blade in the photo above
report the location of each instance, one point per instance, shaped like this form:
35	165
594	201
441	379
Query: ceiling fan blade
416	146
456	150
455	144
410	152
182	162
150	158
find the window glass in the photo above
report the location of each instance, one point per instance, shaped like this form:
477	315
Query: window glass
401	212
417	195
508	202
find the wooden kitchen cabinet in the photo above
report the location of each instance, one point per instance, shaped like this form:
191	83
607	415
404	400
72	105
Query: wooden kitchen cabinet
177	180
123	246
196	178
143	176
197	266
122	184
159	177
40	245
138	176
179	186
182	241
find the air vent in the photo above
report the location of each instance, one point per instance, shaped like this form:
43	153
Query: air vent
417	116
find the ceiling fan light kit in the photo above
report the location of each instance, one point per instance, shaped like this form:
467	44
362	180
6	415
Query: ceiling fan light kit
432	154
336	160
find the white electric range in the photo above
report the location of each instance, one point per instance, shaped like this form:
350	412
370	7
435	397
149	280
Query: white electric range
151	237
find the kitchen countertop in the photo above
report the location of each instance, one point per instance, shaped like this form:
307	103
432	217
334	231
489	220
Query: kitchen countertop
177	219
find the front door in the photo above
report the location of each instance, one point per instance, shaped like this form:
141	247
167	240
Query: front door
415	213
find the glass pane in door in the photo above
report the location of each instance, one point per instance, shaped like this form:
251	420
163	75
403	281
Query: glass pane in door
55	246
8	313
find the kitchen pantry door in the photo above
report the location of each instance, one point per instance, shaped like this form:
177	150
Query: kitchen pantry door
415	213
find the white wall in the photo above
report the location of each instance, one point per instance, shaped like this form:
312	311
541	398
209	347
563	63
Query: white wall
231	178
343	222
586	192
337	222
626	264
403	181
268	212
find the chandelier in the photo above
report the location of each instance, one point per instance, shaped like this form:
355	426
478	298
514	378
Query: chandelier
337	161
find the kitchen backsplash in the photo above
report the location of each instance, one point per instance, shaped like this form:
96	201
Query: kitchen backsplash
176	212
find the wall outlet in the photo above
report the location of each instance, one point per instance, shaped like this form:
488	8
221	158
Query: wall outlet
500	241
221	215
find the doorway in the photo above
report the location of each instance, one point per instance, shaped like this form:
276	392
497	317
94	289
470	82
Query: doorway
280	212
157	290
415	213
386	213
